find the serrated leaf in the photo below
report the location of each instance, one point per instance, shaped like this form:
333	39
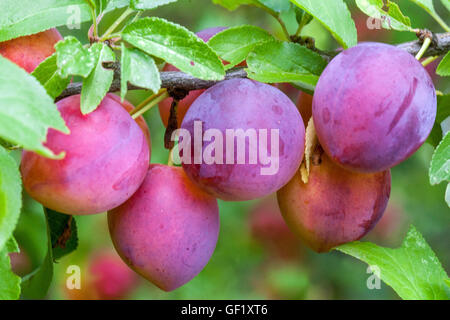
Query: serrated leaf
149	4
36	284
74	59
413	270
9	282
393	18
63	233
299	64
443	113
25	17
335	16
26	110
234	44
97	84
440	163
234	4
10	196
139	69
48	75
443	68
177	45
276	5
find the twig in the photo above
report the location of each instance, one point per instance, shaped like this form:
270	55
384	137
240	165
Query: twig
440	45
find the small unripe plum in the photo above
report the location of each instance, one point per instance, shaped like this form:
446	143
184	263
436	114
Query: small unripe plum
373	107
336	206
304	105
184	104
140	120
106	277
168	230
20	263
29	51
107	157
111	278
257	140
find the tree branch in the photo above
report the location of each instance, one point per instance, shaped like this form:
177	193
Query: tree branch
171	79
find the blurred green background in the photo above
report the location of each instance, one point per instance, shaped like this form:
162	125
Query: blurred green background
256	256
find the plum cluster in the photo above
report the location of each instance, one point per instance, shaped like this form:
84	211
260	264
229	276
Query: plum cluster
373	106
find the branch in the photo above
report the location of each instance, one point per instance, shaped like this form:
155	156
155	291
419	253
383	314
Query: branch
172	79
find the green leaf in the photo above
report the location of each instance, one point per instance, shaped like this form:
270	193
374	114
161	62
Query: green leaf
63	233
335	16
177	45
234	44
117	4
443	68
47	74
393	18
97	84
31	230
36	284
447	195
299	64
446	4
149	4
428	6
443	113
25	17
234	4
440	163
302	17
139	69
10	196
9	282
99	5
26	110
276	5
74	59
413	270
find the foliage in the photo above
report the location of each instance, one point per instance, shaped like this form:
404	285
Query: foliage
413	270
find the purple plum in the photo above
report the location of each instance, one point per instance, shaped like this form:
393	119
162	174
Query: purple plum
253	140
168	230
373	107
107	157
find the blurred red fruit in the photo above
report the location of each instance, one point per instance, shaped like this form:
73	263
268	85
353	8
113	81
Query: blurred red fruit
269	229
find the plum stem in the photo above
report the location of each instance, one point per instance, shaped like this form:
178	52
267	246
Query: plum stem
277	17
423	49
429	60
170	159
116	23
158	98
147	101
